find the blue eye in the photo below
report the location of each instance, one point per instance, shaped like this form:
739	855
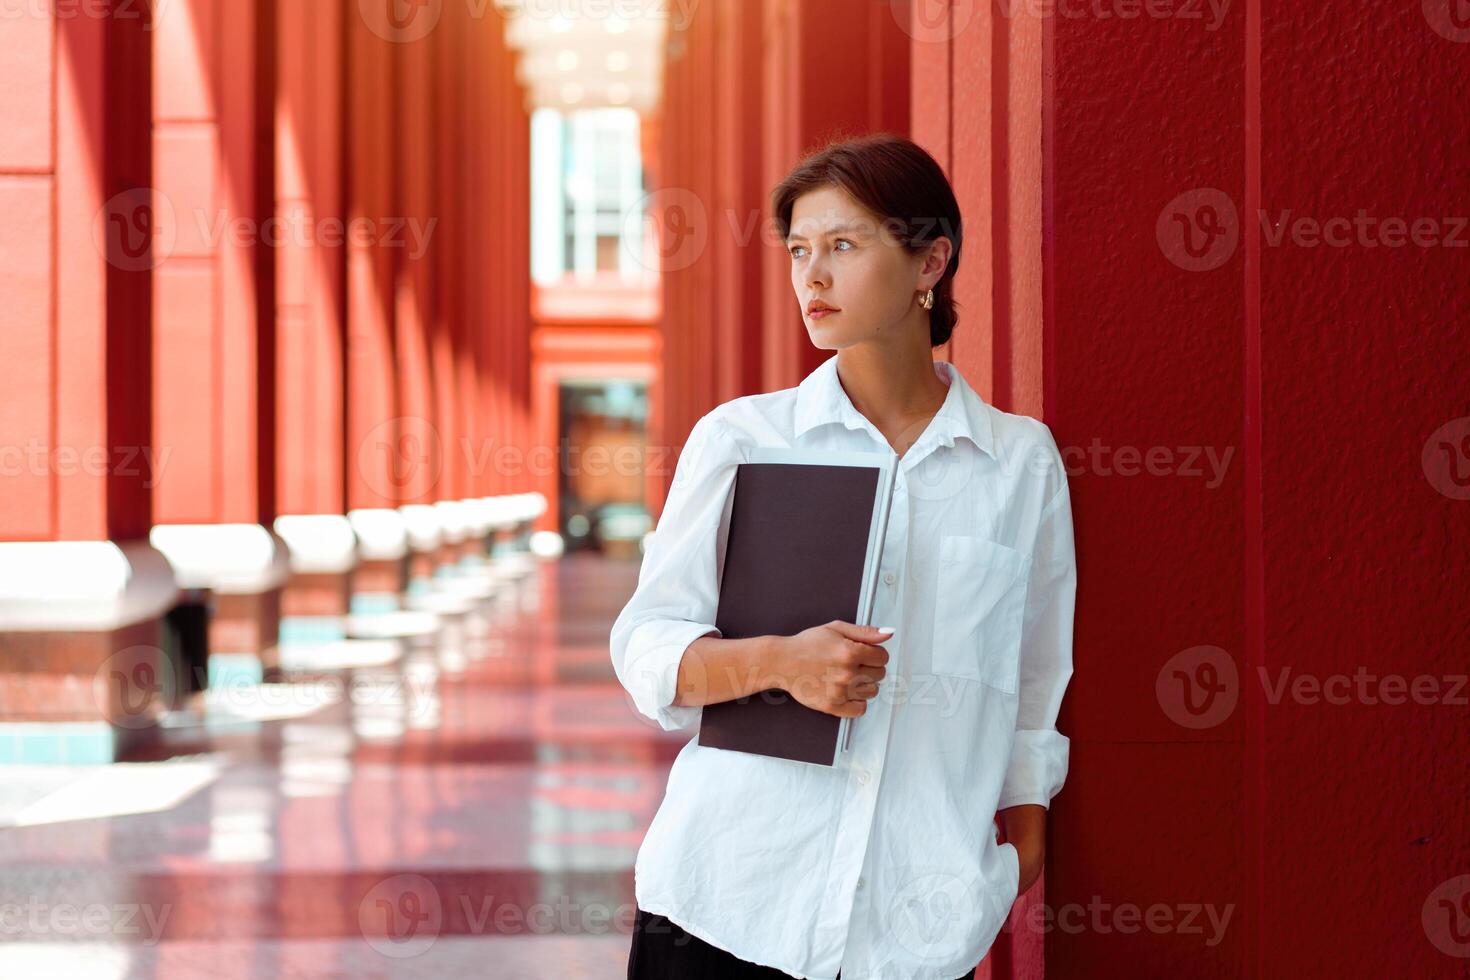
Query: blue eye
797	250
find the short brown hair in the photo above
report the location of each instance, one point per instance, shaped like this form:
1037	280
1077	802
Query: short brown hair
896	179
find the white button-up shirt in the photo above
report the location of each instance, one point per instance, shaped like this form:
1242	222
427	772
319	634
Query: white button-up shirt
885	864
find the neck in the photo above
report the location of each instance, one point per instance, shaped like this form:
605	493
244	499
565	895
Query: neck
891	386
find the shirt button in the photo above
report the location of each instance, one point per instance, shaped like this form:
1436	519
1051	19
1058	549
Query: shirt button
890	578
862	776
860	882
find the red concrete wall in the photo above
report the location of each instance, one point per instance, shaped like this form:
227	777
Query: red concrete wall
1324	549
1357	551
1153	356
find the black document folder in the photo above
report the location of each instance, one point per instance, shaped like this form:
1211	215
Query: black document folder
805	540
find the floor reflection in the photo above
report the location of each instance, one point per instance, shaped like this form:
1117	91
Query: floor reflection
470	800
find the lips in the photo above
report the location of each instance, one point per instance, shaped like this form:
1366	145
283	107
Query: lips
815	309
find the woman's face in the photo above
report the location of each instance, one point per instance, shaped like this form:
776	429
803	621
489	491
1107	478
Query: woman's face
842	255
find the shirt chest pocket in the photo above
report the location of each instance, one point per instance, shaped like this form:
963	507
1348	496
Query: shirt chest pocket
980	602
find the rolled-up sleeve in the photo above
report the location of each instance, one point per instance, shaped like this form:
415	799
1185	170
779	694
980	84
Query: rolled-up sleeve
677	595
1038	762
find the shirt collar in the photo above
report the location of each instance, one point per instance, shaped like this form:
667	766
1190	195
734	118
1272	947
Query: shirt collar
821	399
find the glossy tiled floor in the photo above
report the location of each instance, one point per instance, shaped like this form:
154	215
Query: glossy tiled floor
471	809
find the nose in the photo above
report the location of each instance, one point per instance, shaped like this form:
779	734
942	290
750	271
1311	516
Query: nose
816	274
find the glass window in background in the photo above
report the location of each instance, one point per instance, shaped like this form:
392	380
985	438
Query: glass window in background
586	192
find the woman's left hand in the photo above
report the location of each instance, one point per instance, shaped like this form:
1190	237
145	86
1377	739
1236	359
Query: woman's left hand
1025	827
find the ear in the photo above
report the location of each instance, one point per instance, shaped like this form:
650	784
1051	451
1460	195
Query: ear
936	260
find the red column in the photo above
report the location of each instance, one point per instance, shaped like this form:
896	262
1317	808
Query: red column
501	284
805	108
695	327
446	319
214	318
520	256
742	218
480	146
667	414
311	310
488	274
709	210
537	463
455	350
421	425
509	311
489	262
495	164
81	591
530	477
377	452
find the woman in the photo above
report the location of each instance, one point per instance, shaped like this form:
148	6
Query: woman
885	864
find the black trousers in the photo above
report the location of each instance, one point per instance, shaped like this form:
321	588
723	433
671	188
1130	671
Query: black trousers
662	950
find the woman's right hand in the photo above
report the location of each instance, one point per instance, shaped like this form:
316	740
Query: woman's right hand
835	667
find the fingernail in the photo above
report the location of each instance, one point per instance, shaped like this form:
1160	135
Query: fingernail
885	629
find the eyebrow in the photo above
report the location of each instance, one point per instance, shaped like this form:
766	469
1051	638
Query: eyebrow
834	230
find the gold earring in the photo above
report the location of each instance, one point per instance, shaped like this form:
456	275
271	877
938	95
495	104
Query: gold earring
928	301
